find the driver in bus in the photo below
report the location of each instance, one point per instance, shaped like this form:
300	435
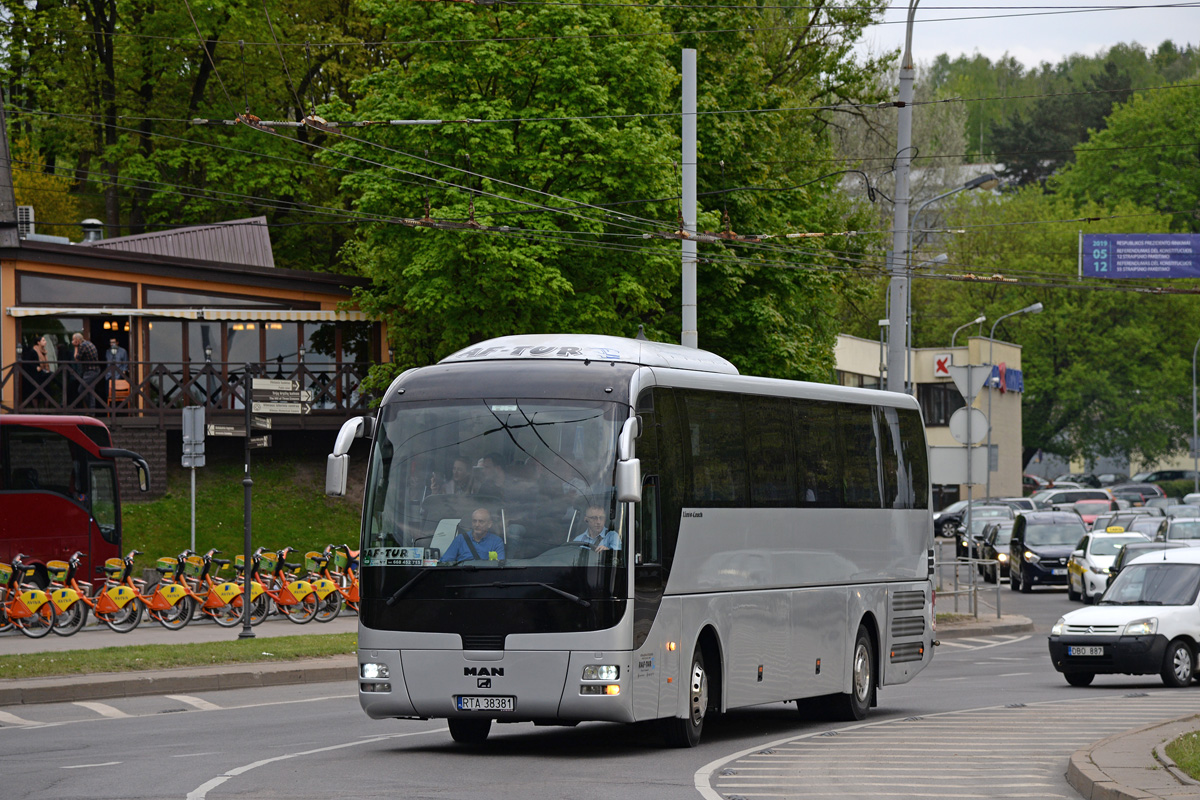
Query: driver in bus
598	536
482	544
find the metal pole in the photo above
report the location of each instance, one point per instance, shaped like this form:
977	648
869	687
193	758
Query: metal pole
689	336
246	633
1036	308
193	548
1195	455
898	288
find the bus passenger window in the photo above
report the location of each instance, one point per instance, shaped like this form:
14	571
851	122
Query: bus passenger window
647	550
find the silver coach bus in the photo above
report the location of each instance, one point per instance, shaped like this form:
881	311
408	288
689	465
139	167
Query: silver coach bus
565	528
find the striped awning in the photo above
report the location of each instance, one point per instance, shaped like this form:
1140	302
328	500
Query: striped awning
272	314
283	315
45	311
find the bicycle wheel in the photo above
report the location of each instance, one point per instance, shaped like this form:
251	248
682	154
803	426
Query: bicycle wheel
177	616
260	609
329	608
40	624
303	611
5	622
71	621
226	616
123	620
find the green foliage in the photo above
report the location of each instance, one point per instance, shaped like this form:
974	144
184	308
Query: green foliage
1146	154
288	508
134	658
1106	372
1185	752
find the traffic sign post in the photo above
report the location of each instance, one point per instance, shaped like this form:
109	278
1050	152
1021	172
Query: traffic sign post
248	483
193	451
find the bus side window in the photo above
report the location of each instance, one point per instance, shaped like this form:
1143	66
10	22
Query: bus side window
648	539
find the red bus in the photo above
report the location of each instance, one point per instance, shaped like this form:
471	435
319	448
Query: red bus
58	490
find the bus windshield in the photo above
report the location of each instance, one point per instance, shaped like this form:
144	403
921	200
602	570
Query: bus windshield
493	483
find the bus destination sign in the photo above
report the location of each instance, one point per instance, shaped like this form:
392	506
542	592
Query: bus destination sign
1140	255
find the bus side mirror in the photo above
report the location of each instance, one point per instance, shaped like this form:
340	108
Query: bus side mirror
143	474
629	481
336	469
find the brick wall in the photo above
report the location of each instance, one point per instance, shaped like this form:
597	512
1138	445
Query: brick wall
150	443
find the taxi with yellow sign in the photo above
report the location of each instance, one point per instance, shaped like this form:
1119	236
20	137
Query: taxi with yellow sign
1089	564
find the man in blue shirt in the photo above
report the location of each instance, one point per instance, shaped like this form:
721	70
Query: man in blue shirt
480	545
597	536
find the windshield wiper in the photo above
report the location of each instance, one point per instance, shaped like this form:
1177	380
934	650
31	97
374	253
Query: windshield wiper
574	598
391	601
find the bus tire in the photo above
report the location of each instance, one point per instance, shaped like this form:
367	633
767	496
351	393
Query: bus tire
469	731
855	704
686	732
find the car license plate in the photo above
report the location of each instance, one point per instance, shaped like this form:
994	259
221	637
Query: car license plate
1058	572
1085	651
470	702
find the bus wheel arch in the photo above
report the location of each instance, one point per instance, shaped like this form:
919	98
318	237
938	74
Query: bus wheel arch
702	682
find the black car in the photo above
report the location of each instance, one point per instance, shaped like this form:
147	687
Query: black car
994	549
1136	493
1039	548
1129	552
964	542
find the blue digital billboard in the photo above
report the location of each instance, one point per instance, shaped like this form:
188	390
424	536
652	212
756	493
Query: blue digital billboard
1141	255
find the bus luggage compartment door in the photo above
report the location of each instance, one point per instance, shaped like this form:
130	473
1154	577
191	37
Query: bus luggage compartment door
437	679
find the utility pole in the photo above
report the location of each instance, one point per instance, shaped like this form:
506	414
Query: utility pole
898	288
689	336
8	215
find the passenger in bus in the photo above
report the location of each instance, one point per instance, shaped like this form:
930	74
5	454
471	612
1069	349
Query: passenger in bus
598	537
460	479
491	476
481	544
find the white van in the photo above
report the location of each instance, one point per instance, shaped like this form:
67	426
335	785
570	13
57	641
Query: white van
1147	622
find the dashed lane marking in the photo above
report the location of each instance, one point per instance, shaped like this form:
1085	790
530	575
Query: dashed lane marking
103	709
89	766
194	702
12	719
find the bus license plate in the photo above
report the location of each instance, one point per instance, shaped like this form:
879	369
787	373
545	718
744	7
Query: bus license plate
1058	572
468	702
1085	651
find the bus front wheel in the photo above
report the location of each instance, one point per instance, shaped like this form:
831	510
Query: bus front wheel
686	732
469	731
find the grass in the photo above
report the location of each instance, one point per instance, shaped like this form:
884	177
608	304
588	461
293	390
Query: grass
948	618
288	507
1185	751
132	658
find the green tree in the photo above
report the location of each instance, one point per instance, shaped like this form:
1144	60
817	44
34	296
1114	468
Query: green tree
1107	372
1147	154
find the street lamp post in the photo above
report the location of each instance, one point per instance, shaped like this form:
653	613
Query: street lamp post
1195	456
977	321
1036	308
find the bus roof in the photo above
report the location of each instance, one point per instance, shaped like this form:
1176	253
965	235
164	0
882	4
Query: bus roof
587	347
68	426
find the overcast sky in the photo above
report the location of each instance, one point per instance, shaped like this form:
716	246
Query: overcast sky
940	28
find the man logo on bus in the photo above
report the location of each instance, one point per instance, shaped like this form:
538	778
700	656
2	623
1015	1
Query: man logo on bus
498	671
483	683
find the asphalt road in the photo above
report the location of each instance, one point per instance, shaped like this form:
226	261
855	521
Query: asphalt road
989	718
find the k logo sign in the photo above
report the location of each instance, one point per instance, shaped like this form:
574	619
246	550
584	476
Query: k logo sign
941	365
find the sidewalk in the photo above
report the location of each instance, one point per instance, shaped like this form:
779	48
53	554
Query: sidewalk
1133	766
986	625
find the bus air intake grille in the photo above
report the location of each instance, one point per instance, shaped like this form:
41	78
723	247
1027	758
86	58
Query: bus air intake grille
908	601
483	642
907	627
912	651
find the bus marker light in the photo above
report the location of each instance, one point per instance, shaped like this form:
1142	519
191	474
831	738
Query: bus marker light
612	689
671	646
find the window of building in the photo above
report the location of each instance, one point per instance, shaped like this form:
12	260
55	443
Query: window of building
938	401
47	290
180	297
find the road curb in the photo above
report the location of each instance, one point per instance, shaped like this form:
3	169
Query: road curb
1012	623
66	689
1105	769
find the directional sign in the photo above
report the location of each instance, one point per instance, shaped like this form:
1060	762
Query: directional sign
260	441
280	408
261	422
271	385
276	396
226	430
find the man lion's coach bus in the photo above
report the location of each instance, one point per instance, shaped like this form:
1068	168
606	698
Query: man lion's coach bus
567	528
58	490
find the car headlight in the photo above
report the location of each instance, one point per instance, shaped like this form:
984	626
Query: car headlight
1032	557
1099	570
1002	557
1141	627
1057	628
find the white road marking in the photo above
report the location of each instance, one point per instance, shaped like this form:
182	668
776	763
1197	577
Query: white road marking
201	792
12	719
195	702
103	709
194	755
89	766
1009	674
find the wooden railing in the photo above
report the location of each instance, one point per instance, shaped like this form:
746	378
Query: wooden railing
150	389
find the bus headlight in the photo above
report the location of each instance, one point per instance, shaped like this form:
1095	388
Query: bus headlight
597	672
372	672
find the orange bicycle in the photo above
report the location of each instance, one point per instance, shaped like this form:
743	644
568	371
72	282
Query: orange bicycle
22	604
293	597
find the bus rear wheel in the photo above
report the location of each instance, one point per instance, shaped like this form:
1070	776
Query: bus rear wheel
686	732
855	704
469	731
